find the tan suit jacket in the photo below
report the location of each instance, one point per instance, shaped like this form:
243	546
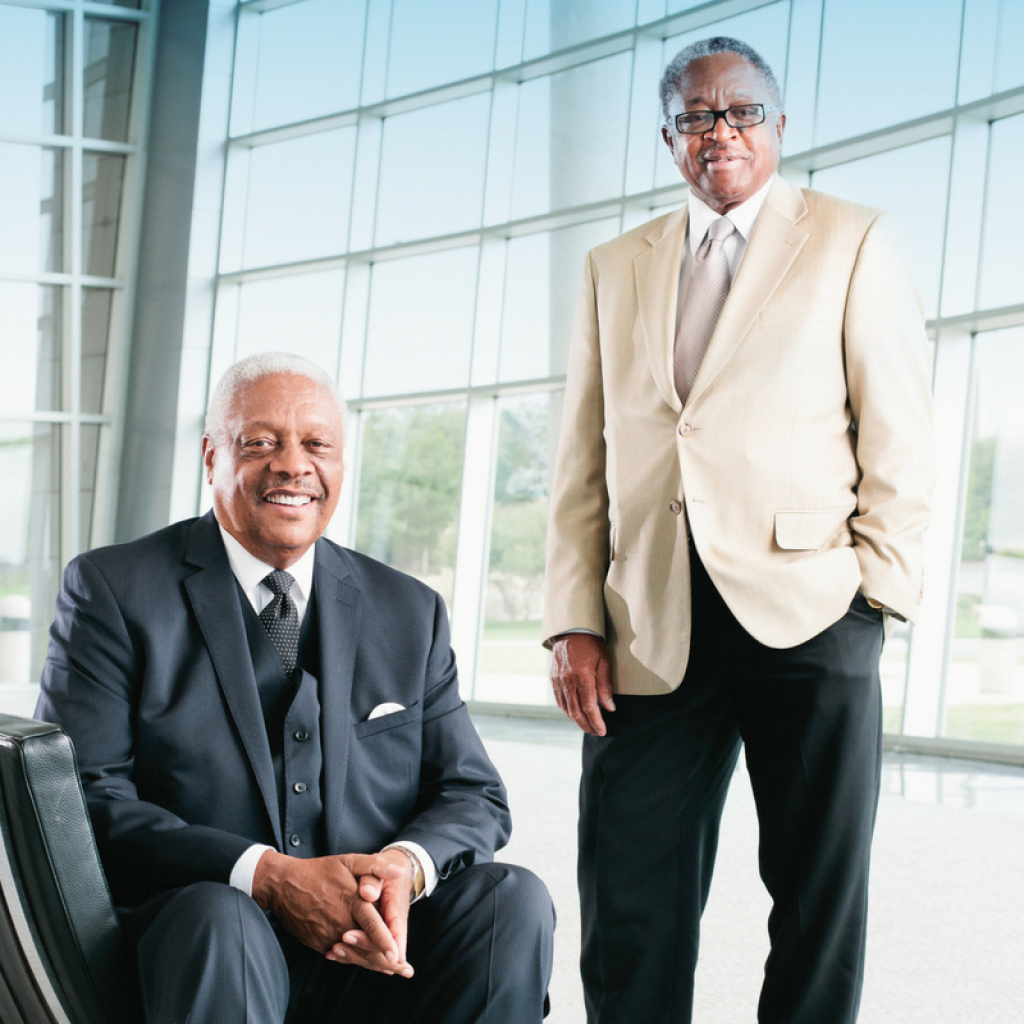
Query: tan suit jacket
802	461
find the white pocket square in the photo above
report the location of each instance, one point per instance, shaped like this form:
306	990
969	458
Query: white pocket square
385	709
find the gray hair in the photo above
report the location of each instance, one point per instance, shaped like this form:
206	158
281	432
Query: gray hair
680	64
254	368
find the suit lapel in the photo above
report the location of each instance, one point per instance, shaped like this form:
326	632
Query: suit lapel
338	609
657	286
773	247
211	592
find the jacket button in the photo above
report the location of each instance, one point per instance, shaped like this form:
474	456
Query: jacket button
301	735
295	840
686	430
299	787
675	506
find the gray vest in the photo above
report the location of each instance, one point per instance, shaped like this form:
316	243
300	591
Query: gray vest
291	714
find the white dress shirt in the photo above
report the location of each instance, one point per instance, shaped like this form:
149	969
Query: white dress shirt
250	572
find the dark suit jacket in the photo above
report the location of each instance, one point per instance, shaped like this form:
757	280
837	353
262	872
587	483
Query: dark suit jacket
149	673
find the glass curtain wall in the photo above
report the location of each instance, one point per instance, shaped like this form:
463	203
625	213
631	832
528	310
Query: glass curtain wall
411	188
70	124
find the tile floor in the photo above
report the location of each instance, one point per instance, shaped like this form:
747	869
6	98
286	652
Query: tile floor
946	939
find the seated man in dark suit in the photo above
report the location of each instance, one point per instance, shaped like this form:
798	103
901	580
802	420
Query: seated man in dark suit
291	803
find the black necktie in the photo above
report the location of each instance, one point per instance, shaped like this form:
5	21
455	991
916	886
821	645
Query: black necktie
281	618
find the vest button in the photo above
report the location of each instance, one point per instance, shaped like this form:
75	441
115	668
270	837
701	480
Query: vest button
301	735
299	787
686	430
295	840
675	506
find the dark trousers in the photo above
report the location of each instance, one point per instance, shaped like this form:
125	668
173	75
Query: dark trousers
651	801
481	945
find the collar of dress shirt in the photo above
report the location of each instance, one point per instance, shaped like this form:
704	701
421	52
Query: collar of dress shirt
743	217
249	571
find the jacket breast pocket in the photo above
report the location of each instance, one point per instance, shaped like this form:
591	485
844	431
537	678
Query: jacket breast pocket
384	723
807	529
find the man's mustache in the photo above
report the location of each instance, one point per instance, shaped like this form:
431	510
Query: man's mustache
720	151
295	486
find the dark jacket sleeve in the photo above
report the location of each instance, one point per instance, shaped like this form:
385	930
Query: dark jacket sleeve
90	687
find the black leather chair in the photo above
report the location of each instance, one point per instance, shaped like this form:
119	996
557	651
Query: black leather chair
62	959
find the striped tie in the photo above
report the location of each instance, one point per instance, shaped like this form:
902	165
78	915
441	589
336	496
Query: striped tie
705	297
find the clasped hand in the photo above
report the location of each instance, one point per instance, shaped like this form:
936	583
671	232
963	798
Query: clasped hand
353	908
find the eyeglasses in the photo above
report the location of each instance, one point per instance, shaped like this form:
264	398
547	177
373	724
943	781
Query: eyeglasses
696	122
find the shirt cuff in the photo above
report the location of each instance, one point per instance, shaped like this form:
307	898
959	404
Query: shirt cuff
426	862
879	607
245	868
569	632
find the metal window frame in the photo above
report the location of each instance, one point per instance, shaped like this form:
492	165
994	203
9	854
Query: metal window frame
645	41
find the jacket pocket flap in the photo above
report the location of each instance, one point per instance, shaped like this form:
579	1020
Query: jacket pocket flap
807	529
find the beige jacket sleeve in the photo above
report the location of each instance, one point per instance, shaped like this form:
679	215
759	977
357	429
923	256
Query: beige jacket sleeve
578	532
890	398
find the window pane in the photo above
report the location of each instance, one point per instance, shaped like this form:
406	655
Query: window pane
560	161
300	314
89	455
893	181
29	569
1009	66
541	279
96	305
299	196
421	323
556	24
120	3
102	175
409	487
109	65
442	41
985	688
310	61
30	329
766	29
1002	282
432	170
31	71
893	672
883	62
513	667
30	209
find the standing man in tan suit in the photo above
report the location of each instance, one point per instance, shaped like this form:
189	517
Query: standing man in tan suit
739	498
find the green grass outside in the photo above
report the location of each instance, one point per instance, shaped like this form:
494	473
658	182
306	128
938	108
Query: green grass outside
528	629
988	723
892	718
967	624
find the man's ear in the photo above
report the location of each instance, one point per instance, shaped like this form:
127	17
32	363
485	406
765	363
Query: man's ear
209	456
667	136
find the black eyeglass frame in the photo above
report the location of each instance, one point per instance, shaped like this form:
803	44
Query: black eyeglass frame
724	114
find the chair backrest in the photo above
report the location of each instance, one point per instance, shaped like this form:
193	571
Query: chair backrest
62	957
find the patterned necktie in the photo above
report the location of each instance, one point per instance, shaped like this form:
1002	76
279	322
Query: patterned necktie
705	297
281	618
